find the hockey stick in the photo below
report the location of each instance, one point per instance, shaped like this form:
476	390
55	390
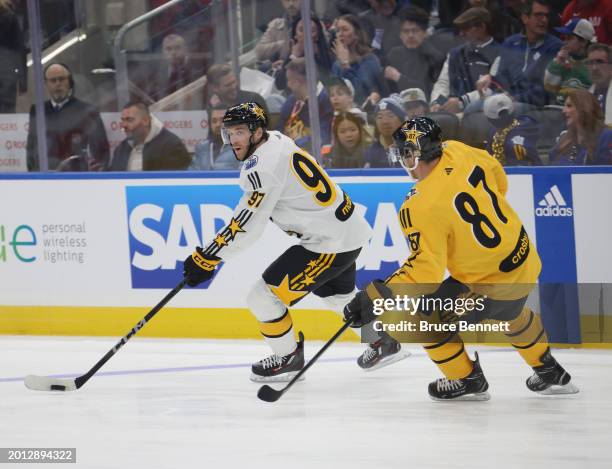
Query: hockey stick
268	394
46	383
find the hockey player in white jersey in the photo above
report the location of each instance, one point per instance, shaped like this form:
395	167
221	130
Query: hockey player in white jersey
284	184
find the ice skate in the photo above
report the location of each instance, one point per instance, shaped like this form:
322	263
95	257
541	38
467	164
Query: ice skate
550	378
275	369
471	388
381	353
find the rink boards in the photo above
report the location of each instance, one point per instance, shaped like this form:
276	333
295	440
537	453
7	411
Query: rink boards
89	254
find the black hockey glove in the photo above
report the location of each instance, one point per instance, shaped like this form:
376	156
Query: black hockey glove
198	268
360	310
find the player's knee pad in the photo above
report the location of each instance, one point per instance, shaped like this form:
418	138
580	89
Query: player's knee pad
338	302
264	304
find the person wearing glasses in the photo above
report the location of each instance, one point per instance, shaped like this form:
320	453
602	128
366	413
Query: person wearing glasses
598	62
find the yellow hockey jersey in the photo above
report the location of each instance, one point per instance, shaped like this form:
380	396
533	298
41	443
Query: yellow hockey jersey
457	218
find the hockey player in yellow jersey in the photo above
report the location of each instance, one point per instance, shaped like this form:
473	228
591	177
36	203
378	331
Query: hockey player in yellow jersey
456	218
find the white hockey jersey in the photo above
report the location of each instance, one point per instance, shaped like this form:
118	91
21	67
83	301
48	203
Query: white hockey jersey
286	185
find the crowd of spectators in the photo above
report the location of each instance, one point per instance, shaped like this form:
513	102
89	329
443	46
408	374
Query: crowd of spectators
489	71
496	70
500	72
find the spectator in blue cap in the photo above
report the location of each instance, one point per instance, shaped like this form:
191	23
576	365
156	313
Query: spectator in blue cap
389	117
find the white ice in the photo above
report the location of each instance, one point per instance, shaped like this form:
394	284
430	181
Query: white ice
182	404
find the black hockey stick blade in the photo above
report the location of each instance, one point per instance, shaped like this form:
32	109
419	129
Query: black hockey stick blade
269	394
48	383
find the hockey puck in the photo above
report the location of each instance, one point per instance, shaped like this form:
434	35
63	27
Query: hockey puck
58	387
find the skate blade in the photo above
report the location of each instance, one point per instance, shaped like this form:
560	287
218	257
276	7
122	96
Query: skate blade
396	357
480	396
283	378
557	390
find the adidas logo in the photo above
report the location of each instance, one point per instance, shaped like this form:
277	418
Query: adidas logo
553	205
448	171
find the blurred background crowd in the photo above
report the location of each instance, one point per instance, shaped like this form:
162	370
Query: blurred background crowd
529	80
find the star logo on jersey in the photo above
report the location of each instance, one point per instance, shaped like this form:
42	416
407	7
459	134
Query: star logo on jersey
308	280
234	227
285	293
413	135
220	241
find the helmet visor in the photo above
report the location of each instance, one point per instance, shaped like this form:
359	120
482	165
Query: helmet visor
393	154
235	132
405	155
225	136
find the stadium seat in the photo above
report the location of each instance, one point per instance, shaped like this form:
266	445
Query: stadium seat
552	123
448	122
474	129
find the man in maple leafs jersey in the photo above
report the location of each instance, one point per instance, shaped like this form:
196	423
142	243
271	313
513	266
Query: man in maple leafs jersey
284	184
512	138
457	218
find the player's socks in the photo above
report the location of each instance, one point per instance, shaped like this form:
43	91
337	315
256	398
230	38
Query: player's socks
550	378
280	368
381	353
450	356
527	336
278	334
473	387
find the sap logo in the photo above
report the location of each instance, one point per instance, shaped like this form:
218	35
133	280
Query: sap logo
166	223
159	245
387	244
20	243
553	205
387	249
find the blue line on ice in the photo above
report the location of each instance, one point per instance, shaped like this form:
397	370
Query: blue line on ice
199	368
163	370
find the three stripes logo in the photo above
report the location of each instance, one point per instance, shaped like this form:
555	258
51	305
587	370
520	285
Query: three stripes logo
553	205
254	180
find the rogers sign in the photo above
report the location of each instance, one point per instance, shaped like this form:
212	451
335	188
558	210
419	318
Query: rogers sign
190	126
13	137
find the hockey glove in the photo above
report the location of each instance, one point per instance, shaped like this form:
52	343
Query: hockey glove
198	268
360	310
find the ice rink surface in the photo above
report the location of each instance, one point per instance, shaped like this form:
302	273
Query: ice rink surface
183	404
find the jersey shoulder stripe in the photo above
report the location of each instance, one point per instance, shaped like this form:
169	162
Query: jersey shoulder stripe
255	180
